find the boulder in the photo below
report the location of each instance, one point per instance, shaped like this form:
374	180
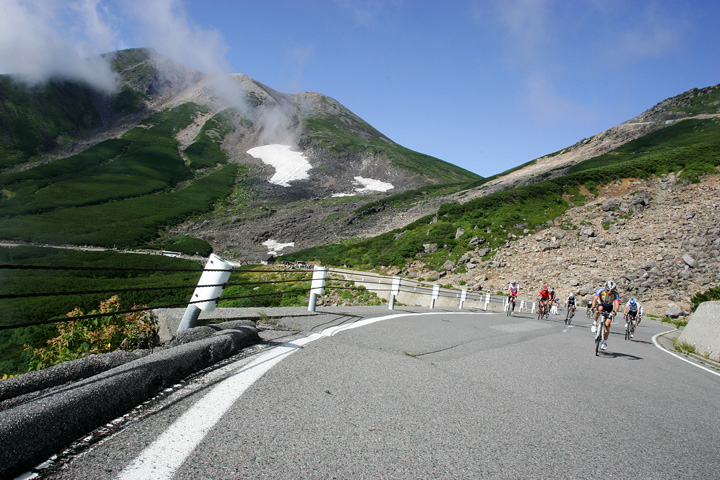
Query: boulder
610	205
641	199
430	247
674	311
690	261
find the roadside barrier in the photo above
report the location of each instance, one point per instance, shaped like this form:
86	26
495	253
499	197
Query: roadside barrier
215	278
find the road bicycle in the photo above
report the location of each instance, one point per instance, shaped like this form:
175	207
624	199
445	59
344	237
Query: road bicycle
510	305
629	330
600	331
569	315
543	310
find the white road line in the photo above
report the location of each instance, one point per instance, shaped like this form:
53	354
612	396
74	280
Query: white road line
162	458
655	342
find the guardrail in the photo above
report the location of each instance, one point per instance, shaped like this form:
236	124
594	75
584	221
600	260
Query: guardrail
215	277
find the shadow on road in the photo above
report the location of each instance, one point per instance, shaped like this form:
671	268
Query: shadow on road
620	355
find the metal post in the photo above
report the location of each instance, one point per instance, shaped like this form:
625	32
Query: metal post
394	290
217	272
317	287
435	295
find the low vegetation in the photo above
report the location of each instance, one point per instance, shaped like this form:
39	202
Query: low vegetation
105	334
348	135
114	276
691	148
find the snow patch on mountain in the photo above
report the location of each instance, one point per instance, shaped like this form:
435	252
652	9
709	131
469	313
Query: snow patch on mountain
275	246
289	165
367	185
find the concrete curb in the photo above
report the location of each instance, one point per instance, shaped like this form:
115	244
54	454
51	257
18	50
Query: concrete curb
37	429
667	342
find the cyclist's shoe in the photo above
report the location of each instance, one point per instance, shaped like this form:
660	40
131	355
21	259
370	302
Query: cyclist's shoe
603	346
631	335
593	329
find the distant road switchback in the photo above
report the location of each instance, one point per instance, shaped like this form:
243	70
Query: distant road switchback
430	395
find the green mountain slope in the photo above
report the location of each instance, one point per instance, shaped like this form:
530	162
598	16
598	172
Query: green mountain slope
144	157
690	147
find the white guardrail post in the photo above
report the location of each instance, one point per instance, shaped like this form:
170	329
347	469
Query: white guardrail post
210	276
463	297
487	300
318	285
394	290
435	295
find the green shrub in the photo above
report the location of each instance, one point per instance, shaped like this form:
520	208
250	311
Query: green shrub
105	334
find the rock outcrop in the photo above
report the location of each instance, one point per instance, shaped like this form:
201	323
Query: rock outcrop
658	239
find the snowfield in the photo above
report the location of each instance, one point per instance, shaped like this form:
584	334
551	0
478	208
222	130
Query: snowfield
367	185
289	165
275	246
370	185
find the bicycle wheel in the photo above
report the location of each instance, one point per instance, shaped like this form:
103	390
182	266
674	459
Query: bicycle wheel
570	317
599	335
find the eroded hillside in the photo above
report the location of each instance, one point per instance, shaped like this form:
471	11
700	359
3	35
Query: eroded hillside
658	239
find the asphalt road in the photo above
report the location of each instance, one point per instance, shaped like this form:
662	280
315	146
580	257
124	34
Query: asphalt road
440	395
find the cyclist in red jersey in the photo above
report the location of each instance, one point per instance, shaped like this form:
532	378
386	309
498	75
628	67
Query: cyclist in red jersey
513	290
543	299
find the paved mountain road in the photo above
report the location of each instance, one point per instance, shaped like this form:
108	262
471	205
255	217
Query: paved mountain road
440	395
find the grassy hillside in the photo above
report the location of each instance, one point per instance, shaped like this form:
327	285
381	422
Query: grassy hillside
691	147
37	119
348	135
22	310
120	192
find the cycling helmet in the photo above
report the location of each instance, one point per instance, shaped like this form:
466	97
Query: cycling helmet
545	288
632	301
572	295
610	285
514	281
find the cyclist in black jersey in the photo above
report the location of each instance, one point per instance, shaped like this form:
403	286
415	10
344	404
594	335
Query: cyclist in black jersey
570	305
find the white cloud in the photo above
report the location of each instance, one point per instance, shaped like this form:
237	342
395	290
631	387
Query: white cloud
165	26
40	40
368	12
527	25
546	106
651	36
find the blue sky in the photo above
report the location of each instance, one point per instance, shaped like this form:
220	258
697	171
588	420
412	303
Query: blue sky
484	84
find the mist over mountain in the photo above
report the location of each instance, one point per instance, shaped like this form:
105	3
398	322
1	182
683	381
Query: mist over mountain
283	157
175	156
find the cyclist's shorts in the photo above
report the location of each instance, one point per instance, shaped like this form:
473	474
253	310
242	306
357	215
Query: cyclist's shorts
607	307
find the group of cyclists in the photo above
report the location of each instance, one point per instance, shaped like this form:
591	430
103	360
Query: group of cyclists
606	299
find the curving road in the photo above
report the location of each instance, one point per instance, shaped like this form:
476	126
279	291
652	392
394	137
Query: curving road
433	395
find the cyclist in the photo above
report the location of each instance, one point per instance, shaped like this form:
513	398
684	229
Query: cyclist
513	290
553	302
569	305
640	313
589	308
606	300
543	299
632	309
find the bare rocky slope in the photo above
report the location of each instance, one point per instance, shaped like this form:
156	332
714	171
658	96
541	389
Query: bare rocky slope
658	239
